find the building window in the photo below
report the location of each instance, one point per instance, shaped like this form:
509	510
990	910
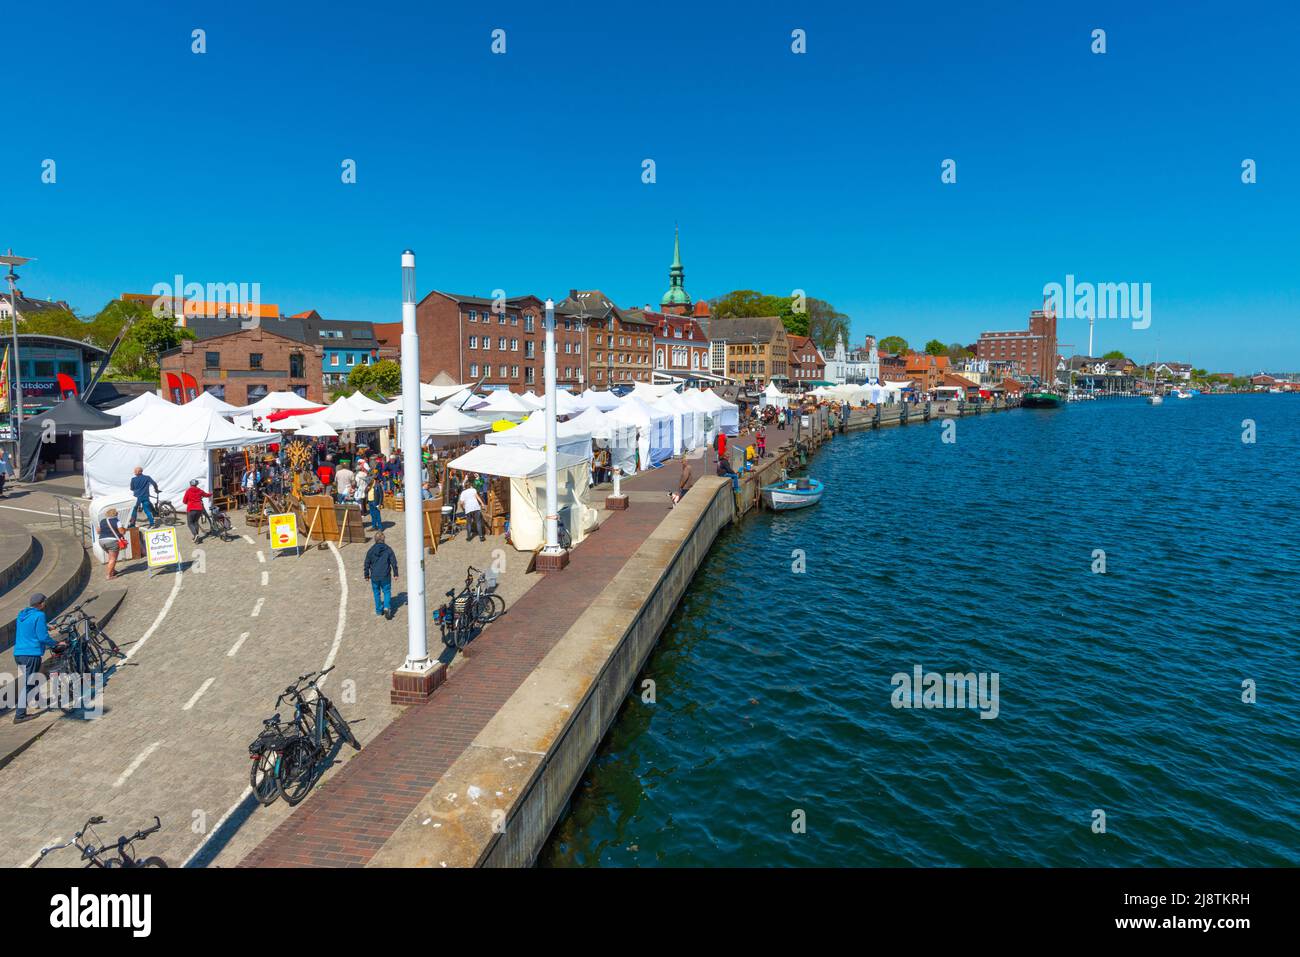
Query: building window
528	322
501	343
254	361
514	319
530	376
334	358
529	349
514	345
212	360
295	365
514	372
503	372
473	342
256	392
218	391
473	370
473	315
659	358
501	318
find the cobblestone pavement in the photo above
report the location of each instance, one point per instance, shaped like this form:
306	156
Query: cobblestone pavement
210	648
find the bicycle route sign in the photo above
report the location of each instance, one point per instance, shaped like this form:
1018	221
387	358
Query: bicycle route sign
283	530
161	547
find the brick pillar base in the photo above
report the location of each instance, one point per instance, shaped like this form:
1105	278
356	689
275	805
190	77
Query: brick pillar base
616	503
416	687
552	562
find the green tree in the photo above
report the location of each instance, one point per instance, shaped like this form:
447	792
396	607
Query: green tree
56	322
1115	354
935	348
956	350
818	319
892	344
383	377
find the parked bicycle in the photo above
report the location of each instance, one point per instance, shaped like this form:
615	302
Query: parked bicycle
124	855
163	510
308	739
468	610
213	520
89	653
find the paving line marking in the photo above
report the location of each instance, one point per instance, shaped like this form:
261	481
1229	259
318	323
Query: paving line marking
257	609
198	694
15	508
343	611
167	606
235	647
139	760
249	539
261	557
266	577
216	828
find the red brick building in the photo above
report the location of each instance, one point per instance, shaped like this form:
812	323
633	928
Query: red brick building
1033	349
499	341
807	364
680	345
242	366
618	342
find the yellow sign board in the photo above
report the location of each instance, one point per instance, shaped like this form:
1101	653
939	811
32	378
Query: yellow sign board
283	530
161	547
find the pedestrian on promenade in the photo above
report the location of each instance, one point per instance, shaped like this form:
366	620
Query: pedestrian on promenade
343	479
722	444
31	639
140	485
761	439
725	469
373	495
5	470
325	471
111	540
380	569
471	506
684	482
193	499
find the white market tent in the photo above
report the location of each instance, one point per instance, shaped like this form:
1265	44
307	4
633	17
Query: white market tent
686	423
344	415
526	469
604	400
317	430
654	429
277	402
607	432
569	440
533	400
503	404
464	400
648	392
437	393
206	400
366	404
129	410
449	421
394	408
775	397
708	413
726	414
172	445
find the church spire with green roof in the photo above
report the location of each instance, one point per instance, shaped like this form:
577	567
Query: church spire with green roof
676	294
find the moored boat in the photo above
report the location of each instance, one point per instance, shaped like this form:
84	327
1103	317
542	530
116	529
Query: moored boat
792	493
1041	399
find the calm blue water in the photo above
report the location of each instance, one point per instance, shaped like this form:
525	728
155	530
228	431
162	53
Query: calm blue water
1119	691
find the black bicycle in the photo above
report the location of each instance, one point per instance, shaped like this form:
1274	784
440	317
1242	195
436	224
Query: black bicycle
93	856
467	610
315	723
88	653
214	521
266	752
487	605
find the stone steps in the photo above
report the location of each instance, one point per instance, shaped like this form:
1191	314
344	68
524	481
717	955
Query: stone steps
55	564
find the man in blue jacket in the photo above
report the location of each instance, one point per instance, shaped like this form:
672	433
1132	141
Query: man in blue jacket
380	569
30	642
140	485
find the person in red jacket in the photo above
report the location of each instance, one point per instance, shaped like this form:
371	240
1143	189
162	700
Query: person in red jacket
193	499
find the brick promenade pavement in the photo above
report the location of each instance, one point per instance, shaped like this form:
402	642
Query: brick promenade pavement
349	819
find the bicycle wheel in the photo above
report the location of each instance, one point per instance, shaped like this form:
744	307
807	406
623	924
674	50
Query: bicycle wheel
296	772
108	648
498	607
151	862
461	631
223	526
261	776
166	513
341	726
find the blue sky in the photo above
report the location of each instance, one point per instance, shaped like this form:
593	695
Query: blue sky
818	171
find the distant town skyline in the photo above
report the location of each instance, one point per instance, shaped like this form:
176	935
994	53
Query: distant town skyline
819	171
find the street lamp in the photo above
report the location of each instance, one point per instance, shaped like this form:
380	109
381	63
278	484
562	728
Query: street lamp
416	679
552	557
15	371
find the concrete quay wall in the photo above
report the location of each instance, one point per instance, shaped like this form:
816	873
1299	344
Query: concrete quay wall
500	800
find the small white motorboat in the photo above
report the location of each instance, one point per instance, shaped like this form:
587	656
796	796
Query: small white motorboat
792	493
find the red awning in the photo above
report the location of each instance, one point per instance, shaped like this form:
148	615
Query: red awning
285	413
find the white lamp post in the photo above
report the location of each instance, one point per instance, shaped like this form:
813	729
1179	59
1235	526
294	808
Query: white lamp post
552	557
414	680
15	368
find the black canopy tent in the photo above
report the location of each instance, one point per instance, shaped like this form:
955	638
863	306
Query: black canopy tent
68	419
